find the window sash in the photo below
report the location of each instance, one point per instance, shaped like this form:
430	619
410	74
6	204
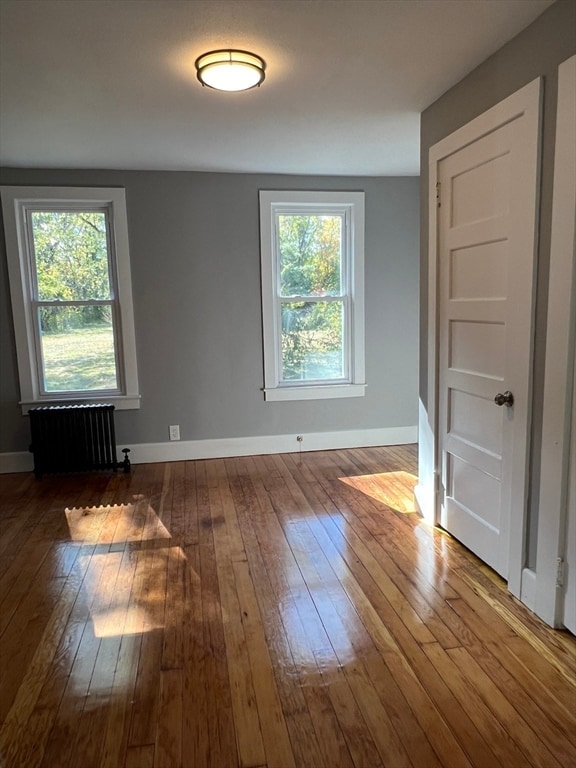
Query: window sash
30	208
343	297
36	307
36	304
344	265
346	361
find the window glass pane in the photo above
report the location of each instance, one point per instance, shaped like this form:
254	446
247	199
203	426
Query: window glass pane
71	251
312	341
310	250
78	348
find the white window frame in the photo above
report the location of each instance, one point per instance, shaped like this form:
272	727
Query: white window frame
16	201
349	205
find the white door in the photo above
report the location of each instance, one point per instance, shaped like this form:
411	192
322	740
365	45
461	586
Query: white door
486	244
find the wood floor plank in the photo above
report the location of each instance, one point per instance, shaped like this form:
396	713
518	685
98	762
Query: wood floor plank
19	721
371	667
244	704
130	618
195	736
530	679
140	757
465	687
547	643
273	725
418	746
341	626
168	746
304	742
243	698
147	690
561	688
212	530
60	742
305	705
364	551
264	612
510	718
88	738
53	680
531	706
333	709
430	608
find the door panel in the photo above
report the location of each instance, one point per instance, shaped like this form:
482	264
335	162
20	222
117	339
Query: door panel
481	190
474	420
477	347
477	272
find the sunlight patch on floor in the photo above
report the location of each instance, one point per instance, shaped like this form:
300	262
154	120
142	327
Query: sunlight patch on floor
394	489
125	522
110	575
115	611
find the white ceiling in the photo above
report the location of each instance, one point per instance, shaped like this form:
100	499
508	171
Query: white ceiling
111	83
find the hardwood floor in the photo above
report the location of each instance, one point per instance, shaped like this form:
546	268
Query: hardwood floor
285	611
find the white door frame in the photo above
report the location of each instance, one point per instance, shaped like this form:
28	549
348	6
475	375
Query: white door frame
524	103
560	351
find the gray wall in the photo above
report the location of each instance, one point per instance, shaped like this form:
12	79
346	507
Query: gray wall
535	52
195	260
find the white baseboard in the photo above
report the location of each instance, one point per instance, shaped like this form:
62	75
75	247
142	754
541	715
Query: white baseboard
16	462
147	453
528	588
424	493
187	450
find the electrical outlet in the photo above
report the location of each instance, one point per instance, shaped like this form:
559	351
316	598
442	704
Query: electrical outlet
174	432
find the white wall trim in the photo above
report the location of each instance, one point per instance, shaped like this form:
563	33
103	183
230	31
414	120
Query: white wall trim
524	102
16	462
349	205
528	592
560	351
424	493
16	200
322	392
147	453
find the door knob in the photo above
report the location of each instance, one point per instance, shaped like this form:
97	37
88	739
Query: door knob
506	398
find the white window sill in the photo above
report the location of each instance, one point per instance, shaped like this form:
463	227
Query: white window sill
322	392
121	402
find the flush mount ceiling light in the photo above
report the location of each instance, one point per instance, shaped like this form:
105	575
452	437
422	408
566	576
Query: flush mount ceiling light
230	70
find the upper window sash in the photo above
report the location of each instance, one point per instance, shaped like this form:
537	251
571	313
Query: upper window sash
107	209
316	210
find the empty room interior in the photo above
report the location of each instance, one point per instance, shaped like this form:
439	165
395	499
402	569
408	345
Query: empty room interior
287	384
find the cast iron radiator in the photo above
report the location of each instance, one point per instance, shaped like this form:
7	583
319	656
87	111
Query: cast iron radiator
74	438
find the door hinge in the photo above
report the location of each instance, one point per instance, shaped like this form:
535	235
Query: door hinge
559	572
438	194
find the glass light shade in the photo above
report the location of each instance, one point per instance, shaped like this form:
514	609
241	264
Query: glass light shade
230	70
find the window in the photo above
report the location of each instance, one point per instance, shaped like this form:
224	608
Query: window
312	250
69	271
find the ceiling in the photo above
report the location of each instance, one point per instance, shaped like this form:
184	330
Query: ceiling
112	84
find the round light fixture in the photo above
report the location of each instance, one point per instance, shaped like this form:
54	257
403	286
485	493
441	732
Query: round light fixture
230	70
